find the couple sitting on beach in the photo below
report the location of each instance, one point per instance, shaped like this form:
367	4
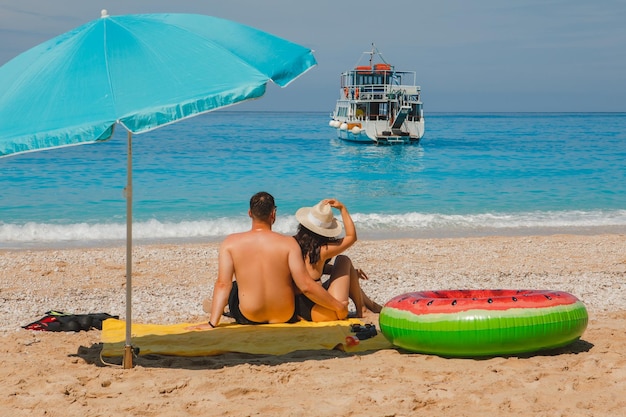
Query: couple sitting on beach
278	278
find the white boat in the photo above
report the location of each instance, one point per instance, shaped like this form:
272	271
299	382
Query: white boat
378	104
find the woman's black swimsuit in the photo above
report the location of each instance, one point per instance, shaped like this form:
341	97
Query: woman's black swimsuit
304	305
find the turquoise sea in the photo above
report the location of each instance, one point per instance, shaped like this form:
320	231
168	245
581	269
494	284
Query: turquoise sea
472	174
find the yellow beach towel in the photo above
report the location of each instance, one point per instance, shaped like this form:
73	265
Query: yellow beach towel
269	339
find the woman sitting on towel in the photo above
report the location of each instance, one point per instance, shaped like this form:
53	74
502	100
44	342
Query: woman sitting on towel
317	236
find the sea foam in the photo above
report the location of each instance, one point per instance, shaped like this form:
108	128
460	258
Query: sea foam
369	226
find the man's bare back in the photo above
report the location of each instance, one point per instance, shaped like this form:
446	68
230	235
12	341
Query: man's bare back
262	271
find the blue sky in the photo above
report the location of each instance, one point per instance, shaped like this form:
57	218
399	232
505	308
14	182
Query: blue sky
475	56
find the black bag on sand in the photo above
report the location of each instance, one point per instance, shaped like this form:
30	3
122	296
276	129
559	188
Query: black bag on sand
56	321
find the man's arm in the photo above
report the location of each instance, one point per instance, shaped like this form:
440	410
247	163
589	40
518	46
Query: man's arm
221	289
309	287
223	284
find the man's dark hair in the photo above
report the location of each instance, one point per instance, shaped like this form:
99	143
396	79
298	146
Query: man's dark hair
262	205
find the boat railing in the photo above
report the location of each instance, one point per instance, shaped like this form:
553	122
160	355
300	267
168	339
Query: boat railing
402	95
376	91
376	117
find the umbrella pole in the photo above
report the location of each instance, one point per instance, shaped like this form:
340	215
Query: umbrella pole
128	348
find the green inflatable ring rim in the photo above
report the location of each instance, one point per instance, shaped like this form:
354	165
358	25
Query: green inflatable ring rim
484	332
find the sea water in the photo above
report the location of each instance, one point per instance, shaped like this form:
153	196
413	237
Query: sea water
472	174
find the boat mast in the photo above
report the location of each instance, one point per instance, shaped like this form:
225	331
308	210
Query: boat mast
373	52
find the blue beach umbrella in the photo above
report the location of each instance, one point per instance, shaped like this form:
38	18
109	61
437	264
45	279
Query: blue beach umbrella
141	72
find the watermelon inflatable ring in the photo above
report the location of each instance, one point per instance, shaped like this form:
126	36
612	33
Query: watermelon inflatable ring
469	323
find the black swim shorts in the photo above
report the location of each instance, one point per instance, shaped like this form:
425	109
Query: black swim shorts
235	312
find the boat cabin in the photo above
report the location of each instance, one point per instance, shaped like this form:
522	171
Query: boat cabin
377	92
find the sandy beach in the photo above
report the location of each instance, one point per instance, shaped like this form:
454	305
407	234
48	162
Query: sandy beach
60	374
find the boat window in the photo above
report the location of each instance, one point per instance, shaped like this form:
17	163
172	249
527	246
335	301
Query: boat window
369	79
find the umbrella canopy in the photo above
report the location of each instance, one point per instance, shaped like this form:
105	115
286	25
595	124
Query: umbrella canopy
139	71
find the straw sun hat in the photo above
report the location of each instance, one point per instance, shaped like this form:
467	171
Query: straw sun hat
319	219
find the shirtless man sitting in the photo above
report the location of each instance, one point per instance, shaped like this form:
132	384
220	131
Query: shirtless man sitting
266	265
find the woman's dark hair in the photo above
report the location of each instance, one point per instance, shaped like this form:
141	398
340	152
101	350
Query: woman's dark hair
262	205
310	243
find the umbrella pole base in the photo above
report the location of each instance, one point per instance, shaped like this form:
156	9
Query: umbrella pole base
128	357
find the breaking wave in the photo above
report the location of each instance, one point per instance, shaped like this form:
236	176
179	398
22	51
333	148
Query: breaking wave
369	226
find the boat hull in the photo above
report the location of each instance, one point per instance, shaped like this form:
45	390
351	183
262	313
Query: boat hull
378	132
